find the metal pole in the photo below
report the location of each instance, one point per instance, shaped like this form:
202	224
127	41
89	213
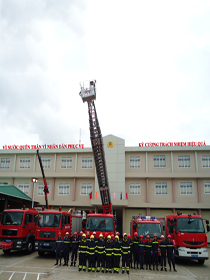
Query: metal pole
33	195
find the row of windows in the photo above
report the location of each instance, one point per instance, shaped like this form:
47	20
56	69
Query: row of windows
87	162
160	161
66	162
162	188
63	188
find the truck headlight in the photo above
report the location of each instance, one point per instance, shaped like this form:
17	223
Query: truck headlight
36	244
181	250
205	250
19	242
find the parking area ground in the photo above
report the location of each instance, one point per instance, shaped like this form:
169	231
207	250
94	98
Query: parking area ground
18	266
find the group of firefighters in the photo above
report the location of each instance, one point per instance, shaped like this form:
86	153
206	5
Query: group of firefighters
104	254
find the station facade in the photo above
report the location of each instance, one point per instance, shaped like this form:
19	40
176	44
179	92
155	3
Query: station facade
143	180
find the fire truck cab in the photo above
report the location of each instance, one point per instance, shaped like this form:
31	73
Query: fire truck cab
17	229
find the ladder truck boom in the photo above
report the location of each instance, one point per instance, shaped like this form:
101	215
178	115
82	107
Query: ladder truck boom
88	94
46	190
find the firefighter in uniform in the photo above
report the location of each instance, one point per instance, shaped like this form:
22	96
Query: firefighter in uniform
170	253
100	252
136	250
66	249
163	252
125	249
116	254
155	244
88	236
131	250
83	253
75	245
108	251
58	248
112	237
141	252
91	248
148	248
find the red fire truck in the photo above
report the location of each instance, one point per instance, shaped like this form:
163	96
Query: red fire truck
188	235
17	229
98	222
145	225
49	223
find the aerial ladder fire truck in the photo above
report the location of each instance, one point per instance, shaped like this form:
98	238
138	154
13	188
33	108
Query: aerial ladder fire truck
51	222
98	222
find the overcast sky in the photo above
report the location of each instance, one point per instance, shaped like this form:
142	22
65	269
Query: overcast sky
151	60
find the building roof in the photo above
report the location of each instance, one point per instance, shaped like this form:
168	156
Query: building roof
13	191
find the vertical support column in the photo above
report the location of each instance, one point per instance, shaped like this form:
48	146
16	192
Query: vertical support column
14	163
199	212
74	190
13	180
75	163
96	209
146	163
174	210
6	203
53	189
199	190
74	209
147	190
123	219
173	191
148	211
172	163
34	169
196	162
55	163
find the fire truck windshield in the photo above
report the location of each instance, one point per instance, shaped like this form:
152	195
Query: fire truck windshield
99	223
12	218
194	225
49	220
149	229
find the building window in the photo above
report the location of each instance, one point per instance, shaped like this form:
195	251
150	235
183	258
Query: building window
159	161
24	187
3	183
46	162
161	188
5	163
86	188
135	162
186	188
63	188
207	187
66	162
87	162
184	161
205	161
135	188
25	162
41	188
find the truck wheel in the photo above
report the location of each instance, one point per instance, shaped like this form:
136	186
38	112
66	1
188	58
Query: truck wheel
6	252
41	254
201	261
29	247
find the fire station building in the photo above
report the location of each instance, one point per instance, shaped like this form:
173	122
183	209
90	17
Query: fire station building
143	180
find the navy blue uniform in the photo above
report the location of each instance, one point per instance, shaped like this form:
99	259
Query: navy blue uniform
100	252
91	248
163	248
136	251
131	252
59	249
125	249
75	246
116	256
170	254
148	248
108	251
141	254
155	245
82	254
66	249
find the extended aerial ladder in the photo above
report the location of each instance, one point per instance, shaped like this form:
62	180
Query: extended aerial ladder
46	190
88	94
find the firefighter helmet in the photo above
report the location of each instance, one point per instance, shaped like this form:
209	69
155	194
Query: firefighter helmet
135	233
67	233
109	236
148	236
117	233
59	233
94	233
106	233
125	234
75	233
141	236
112	235
84	235
162	236
155	235
81	232
101	235
92	236
117	237
129	236
169	236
